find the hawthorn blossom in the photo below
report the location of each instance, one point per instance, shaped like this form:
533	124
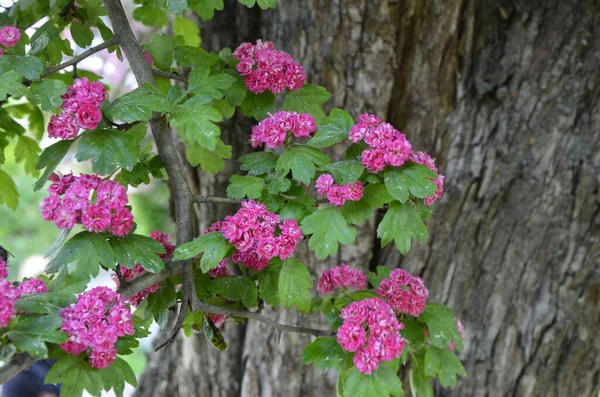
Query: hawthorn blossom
9	36
341	277
338	194
273	130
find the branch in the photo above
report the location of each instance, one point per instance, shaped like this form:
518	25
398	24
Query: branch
199	306
182	194
219	200
75	60
172	76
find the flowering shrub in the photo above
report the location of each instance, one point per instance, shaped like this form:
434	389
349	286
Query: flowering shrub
289	197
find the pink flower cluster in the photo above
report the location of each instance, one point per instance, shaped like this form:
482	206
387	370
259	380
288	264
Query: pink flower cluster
387	146
336	194
405	293
9	36
10	294
265	68
96	321
138	270
274	129
97	204
80	109
341	277
426	160
3	268
376	341
258	235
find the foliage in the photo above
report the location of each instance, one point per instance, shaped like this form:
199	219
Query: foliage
296	188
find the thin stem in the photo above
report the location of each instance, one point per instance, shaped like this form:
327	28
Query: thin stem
75	60
218	200
172	76
199	306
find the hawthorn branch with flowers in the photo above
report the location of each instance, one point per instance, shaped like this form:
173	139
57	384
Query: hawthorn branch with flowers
293	194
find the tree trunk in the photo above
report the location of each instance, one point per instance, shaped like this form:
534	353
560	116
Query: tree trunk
506	94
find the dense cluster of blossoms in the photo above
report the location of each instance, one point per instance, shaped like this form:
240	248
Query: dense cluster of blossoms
258	235
9	36
273	130
10	294
138	270
405	293
265	68
80	109
388	146
338	194
97	204
341	277
372	331
98	318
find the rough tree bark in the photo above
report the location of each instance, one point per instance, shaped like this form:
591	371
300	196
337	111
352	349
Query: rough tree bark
506	94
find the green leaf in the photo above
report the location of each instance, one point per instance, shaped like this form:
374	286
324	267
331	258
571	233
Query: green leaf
401	223
161	49
201	82
82	35
206	8
302	161
381	383
188	29
376	278
27	151
268	283
328	228
31	334
138	105
295	284
413	333
47	94
29	67
420	385
11	84
444	364
214	246
264	4
177	7
376	195
49	159
151	16
412	177
8	191
258	105
214	335
195	124
356	212
245	186
236	288
277	183
442	325
345	172
108	149
326	352
132	249
210	161
191	56
76	375
88	250
159	304
333	129
258	163
307	99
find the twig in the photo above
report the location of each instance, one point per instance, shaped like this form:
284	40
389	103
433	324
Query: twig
199	306
219	200
172	76
75	60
